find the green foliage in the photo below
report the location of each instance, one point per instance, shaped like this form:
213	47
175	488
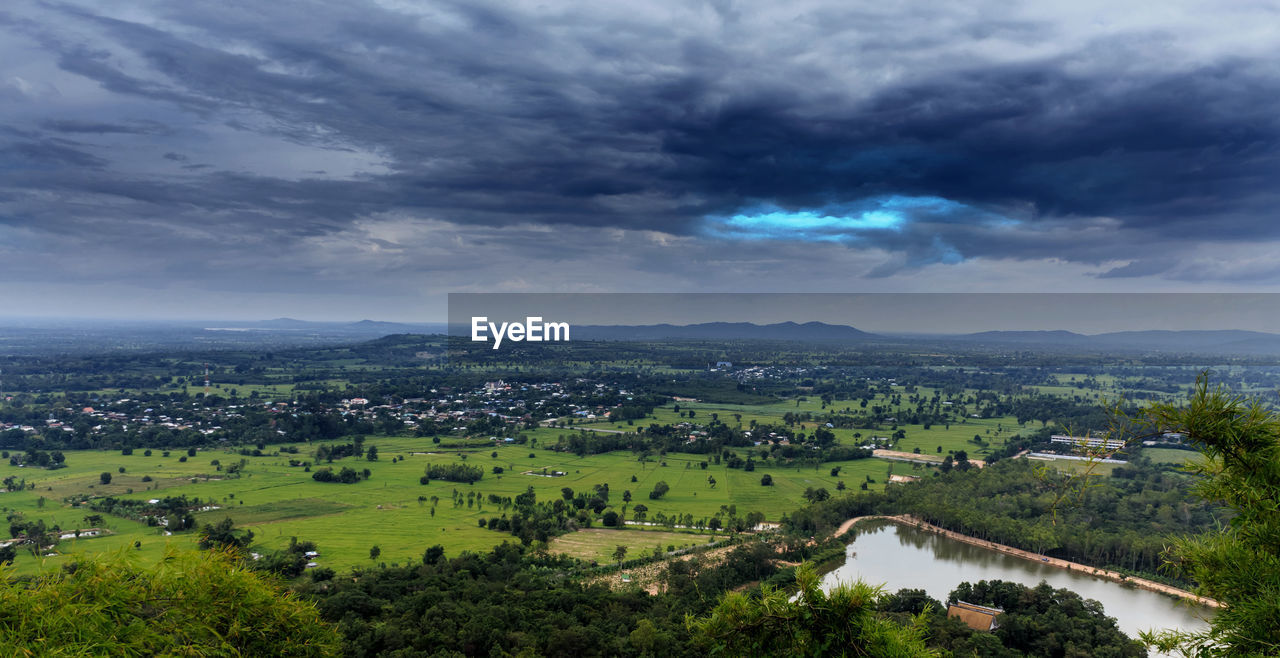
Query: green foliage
290	562
816	494
844	622
347	475
506	602
223	535
1116	522
190	604
1037	621
516	601
453	473
1238	566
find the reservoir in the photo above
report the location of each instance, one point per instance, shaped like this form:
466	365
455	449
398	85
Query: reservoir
897	556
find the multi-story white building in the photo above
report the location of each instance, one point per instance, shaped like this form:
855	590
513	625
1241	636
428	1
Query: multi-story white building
1088	441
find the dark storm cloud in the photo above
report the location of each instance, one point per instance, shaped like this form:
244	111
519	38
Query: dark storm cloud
43	153
96	127
206	132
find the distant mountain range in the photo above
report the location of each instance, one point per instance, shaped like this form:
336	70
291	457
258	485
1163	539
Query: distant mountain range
34	336
1196	342
363	327
809	331
1226	341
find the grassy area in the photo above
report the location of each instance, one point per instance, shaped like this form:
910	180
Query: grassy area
278	501
994	432
1077	466
1169	455
599	543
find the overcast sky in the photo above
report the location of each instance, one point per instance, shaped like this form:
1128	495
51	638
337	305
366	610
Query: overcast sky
354	159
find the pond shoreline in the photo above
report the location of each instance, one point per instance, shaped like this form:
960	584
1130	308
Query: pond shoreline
1151	585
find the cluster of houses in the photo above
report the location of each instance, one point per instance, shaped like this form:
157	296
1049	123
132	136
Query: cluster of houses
149	416
448	408
508	402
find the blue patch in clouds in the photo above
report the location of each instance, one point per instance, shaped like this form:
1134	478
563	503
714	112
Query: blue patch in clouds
850	222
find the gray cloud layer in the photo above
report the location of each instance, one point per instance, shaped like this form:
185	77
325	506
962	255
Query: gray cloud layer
305	148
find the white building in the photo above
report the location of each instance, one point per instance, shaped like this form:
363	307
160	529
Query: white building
1088	441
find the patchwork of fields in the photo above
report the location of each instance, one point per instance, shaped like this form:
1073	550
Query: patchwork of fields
402	517
950	438
392	509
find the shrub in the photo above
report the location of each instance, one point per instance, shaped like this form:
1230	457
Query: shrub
453	473
212	606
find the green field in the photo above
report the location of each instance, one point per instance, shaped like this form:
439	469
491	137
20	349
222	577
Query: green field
598	544
1169	455
1079	467
277	501
956	436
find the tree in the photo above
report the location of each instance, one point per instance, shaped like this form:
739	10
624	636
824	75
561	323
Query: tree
374	552
105	478
7	554
620	553
190	603
660	489
1240	565
766	481
812	623
224	535
371	454
816	495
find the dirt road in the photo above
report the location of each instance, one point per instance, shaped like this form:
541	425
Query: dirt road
918	458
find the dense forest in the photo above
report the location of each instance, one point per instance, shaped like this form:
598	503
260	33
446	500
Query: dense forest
1037	621
1125	521
514	600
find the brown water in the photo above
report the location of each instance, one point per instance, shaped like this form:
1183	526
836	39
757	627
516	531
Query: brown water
898	556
